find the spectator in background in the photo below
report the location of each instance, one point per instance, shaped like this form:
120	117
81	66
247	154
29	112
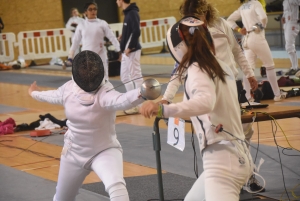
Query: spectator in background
75	19
91	33
131	73
290	20
1	25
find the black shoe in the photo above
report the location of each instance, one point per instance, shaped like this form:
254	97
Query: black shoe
263	72
292	72
254	185
258	95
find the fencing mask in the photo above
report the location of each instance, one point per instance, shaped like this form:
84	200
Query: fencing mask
175	39
88	70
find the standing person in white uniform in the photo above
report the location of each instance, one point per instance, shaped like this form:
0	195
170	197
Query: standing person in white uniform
290	21
90	144
254	42
210	92
131	73
73	22
226	49
91	34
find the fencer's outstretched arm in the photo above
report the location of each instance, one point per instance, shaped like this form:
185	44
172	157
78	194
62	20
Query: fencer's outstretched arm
114	100
172	88
202	100
50	96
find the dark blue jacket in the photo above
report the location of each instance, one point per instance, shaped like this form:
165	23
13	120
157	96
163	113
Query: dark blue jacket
131	26
2	25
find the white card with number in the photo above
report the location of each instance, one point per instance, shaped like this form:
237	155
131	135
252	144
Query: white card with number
176	133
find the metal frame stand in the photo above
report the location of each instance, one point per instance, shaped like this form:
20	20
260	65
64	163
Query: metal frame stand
157	148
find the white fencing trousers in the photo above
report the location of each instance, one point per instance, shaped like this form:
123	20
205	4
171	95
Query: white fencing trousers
223	175
255	45
108	165
291	30
131	72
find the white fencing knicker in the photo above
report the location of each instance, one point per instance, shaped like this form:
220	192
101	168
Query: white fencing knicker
6	47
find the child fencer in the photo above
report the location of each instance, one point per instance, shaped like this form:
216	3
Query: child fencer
90	144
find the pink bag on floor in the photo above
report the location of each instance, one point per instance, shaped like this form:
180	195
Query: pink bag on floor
8	121
6	129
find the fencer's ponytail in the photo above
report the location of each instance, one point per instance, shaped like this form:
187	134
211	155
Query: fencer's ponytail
200	50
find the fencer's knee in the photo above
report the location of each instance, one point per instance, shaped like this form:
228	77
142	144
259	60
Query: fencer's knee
118	191
290	48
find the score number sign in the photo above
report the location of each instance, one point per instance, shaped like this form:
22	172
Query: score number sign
176	133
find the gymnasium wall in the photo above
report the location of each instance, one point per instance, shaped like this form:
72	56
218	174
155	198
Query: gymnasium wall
24	15
150	9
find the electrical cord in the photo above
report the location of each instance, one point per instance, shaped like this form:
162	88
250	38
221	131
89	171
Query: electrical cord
274	136
27	149
195	154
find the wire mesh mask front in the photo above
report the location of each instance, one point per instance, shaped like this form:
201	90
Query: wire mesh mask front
88	70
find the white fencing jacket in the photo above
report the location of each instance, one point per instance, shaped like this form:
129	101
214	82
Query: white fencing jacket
91	33
91	117
291	10
251	13
208	102
75	19
227	50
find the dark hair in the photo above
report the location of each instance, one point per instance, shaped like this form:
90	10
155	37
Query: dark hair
199	50
242	1
126	1
86	6
199	7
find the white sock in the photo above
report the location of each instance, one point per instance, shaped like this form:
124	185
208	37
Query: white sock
294	60
247	87
271	75
118	192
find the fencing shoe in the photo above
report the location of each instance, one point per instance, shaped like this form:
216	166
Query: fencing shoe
292	72
263	71
281	96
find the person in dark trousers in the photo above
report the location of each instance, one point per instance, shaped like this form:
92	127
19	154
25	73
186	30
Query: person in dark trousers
1	25
131	74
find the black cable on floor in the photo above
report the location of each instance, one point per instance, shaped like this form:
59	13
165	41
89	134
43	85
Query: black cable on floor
195	154
272	121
